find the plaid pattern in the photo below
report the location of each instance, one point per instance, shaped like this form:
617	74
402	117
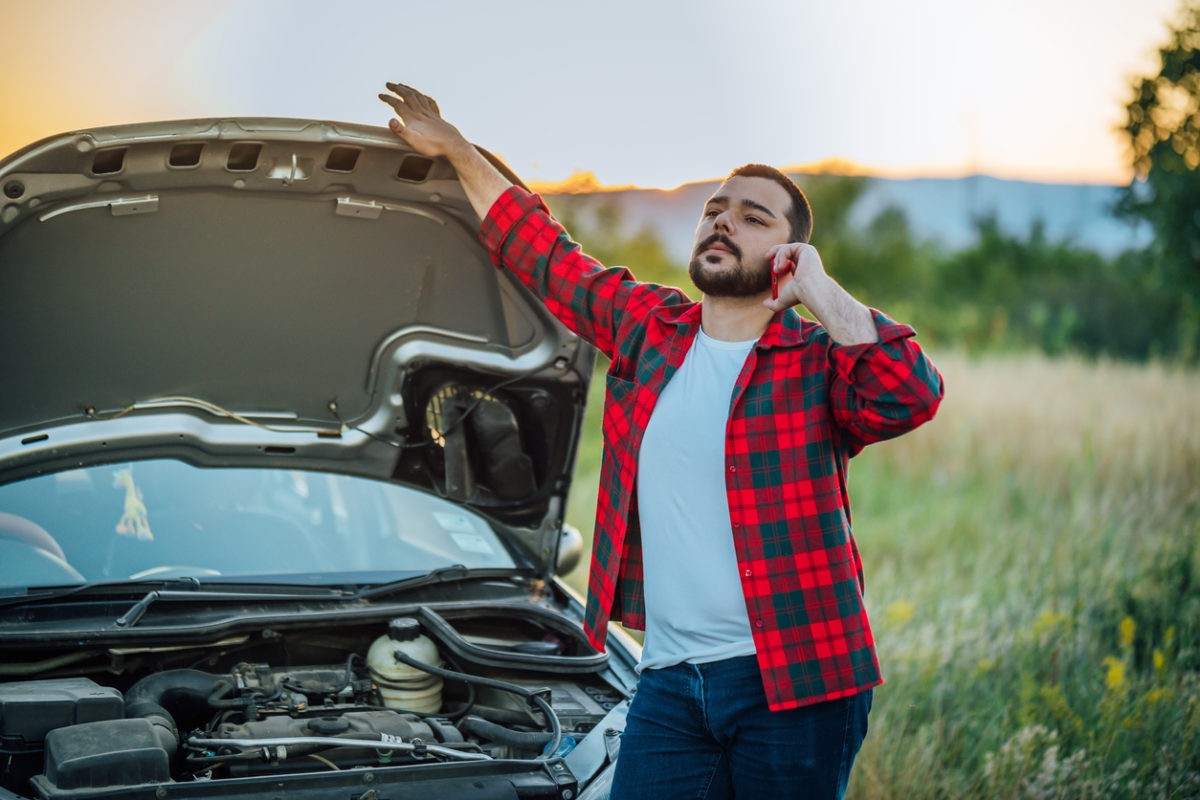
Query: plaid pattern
802	406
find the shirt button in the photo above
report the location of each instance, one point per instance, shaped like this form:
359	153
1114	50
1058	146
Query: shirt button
747	573
758	623
732	468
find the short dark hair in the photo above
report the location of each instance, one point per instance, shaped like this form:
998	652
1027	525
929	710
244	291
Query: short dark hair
800	214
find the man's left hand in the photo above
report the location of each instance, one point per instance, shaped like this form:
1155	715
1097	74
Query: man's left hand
846	320
807	272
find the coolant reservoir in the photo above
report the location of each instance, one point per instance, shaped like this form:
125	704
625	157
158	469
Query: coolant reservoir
401	686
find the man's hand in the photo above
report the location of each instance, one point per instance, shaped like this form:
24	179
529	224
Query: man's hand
807	271
419	123
844	318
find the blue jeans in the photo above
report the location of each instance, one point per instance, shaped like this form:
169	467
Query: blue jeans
704	731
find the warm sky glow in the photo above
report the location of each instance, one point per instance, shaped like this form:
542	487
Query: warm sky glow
637	92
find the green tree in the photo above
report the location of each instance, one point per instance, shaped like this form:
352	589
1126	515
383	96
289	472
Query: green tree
1163	127
882	263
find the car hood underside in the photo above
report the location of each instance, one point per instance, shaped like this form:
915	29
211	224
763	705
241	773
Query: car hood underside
279	293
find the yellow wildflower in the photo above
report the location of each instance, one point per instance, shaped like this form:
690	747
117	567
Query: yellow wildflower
1159	661
898	612
1127	627
1157	695
1114	676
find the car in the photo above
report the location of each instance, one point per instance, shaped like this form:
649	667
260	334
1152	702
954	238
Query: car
284	461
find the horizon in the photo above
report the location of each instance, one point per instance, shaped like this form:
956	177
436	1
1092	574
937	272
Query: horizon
584	181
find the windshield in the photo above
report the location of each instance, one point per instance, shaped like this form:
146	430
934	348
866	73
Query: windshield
164	519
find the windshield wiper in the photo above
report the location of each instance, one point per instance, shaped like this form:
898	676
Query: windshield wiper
190	589
454	572
450	574
187	589
131	617
49	594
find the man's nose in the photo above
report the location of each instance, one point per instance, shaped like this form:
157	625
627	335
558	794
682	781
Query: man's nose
723	222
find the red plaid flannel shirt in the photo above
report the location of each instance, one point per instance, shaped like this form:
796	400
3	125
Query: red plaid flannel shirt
802	406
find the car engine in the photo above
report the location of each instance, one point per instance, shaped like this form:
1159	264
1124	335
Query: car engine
426	705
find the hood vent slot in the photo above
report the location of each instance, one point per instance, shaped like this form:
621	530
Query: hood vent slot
414	169
342	159
243	157
108	162
185	155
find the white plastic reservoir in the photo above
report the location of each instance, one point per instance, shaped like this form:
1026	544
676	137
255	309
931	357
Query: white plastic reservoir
410	689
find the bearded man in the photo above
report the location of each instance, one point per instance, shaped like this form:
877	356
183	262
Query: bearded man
723	522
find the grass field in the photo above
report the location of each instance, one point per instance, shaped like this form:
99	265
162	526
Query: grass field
1033	579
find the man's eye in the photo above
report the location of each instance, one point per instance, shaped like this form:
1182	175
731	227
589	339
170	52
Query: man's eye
712	212
755	220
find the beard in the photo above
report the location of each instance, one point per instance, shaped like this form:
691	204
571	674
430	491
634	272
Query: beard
739	281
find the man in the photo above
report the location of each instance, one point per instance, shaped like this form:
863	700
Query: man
723	523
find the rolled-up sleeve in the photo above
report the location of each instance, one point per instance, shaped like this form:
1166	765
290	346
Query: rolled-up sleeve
885	388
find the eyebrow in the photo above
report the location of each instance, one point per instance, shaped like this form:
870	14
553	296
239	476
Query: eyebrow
723	200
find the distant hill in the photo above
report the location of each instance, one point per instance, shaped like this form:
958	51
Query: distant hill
938	209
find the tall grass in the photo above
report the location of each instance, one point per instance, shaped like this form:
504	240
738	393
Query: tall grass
1033	579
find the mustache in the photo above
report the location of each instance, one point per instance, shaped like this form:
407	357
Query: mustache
718	238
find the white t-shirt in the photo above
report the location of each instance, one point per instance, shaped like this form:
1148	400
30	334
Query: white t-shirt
695	608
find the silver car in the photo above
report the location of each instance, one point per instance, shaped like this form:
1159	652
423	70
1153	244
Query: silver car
283	467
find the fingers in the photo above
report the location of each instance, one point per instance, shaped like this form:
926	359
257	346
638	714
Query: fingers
405	103
412	98
395	102
782	262
411	107
784	257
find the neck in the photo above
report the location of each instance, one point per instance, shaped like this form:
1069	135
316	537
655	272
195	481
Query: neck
734	319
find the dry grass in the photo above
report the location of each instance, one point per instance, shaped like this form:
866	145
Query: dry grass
1034	585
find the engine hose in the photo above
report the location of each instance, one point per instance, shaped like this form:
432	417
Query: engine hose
520	691
458	714
180	684
147	699
499	733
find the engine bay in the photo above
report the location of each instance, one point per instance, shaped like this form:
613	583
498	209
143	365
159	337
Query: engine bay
482	704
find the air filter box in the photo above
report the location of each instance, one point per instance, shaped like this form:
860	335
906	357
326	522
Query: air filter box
31	709
119	752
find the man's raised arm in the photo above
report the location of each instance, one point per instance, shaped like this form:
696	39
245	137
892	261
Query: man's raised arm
523	238
419	123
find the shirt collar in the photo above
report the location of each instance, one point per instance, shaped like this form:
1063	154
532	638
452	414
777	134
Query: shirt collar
786	329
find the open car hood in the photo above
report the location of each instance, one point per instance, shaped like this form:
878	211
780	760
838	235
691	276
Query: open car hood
277	292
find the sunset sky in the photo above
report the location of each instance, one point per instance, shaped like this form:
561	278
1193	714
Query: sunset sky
637	92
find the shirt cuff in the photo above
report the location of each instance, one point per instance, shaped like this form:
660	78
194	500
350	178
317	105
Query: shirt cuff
503	217
846	356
